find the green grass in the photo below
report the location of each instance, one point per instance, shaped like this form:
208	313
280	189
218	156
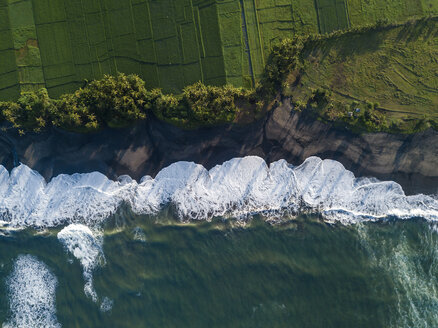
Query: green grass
27	54
332	15
396	67
375	78
160	40
9	87
369	12
169	43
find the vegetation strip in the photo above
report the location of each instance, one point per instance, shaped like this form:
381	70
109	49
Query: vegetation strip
302	69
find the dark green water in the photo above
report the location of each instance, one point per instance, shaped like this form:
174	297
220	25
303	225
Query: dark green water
301	274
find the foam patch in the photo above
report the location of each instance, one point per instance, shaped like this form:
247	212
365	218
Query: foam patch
32	291
80	241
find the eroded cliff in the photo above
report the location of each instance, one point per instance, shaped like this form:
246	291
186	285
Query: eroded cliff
283	134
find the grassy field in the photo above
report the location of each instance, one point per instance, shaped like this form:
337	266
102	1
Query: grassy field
8	69
371	11
169	43
394	68
382	77
58	44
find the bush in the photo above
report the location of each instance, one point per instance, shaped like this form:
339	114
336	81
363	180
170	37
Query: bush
72	115
210	104
300	105
200	105
113	100
32	111
284	58
119	100
374	120
320	97
168	107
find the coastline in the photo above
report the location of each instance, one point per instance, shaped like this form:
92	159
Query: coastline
150	145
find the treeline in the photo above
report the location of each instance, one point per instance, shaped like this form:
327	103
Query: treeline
117	101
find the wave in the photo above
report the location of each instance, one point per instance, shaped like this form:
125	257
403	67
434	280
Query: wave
32	288
237	188
80	241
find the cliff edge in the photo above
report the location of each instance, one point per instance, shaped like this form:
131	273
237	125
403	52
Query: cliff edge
150	145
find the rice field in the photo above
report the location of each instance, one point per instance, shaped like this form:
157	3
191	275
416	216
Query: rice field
58	44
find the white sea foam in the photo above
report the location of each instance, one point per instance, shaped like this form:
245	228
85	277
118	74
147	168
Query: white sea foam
106	305
139	234
239	187
80	241
413	279
31	288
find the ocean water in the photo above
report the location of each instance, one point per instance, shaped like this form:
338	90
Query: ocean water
304	272
242	245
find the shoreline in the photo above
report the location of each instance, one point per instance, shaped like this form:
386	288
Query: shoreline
150	145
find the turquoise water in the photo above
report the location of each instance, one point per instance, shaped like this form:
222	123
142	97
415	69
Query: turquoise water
303	272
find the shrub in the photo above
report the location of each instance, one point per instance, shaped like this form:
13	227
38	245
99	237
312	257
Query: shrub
73	115
284	58
374	120
32	111
211	104
300	105
259	106
320	97
167	107
113	100
200	104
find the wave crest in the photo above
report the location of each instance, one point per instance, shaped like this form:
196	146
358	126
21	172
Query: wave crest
80	241
239	187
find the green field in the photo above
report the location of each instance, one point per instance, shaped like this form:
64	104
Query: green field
8	66
396	67
58	44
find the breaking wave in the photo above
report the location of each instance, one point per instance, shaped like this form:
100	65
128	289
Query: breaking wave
80	241
237	188
32	289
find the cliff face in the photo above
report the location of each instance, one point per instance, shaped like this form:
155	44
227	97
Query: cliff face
283	134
